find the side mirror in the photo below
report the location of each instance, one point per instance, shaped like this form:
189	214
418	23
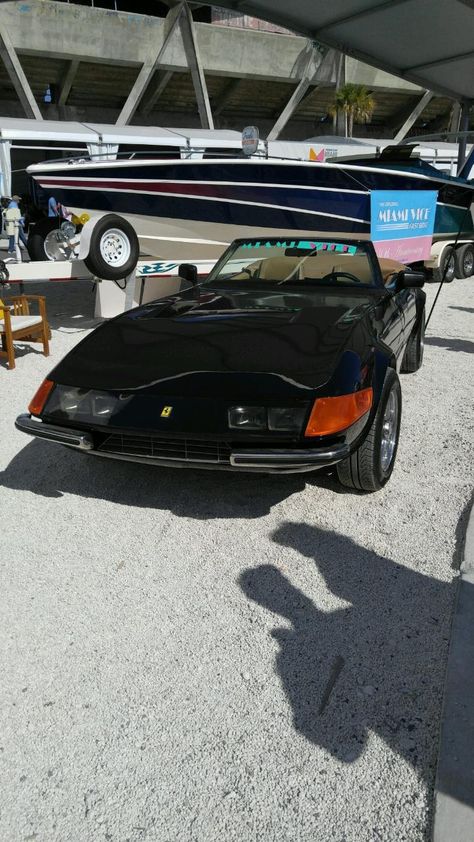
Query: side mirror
407	279
188	272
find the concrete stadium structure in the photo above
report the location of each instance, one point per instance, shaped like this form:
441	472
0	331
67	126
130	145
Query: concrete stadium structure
120	67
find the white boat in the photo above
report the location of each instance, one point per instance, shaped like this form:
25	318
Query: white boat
193	202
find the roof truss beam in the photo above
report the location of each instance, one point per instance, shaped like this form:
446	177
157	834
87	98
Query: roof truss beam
373	10
440	61
17	75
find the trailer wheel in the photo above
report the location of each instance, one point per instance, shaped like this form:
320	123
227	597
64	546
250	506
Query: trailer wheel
465	261
37	236
113	248
449	258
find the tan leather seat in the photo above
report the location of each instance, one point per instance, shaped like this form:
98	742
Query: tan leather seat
389	268
324	264
278	268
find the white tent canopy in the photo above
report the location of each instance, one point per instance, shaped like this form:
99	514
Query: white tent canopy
18	129
428	42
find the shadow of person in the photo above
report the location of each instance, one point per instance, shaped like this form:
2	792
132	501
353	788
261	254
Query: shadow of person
453	344
50	470
463	309
373	664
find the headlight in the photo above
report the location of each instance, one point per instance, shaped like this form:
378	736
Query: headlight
248	417
286	419
71	401
81	404
280	419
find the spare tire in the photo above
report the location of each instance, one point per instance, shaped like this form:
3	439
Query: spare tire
37	235
113	248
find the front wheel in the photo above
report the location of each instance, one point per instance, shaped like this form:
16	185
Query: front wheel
413	356
371	465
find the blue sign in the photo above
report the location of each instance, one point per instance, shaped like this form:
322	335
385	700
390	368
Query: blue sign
402	223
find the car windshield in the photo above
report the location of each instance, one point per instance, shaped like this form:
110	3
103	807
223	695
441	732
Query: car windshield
296	263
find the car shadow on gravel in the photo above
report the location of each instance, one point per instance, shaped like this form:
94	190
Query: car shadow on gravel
51	471
375	664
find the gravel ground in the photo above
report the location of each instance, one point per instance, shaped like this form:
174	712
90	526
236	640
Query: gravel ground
198	657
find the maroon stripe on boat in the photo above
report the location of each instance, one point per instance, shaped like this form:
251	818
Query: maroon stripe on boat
183	188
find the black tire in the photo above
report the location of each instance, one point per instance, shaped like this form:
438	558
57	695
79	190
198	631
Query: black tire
413	356
37	234
124	249
448	257
465	261
364	469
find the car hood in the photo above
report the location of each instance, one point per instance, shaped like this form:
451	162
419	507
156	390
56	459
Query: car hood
221	343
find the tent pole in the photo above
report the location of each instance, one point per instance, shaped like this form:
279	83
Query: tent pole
464	127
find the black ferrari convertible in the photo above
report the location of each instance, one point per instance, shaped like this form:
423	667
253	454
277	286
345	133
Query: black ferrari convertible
284	359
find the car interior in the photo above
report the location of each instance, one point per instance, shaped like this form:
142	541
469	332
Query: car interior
341	268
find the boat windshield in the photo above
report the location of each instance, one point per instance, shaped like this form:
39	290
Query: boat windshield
296	263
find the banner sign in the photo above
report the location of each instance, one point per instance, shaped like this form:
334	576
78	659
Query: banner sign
402	223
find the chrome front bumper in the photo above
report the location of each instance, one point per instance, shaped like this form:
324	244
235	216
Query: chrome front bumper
271	460
61	435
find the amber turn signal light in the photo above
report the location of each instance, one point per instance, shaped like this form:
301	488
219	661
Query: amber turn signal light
35	407
331	415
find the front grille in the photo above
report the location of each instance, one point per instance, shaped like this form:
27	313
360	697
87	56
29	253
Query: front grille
185	450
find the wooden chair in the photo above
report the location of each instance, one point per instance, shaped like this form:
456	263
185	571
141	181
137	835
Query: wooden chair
16	322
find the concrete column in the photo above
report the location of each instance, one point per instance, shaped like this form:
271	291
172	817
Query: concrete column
152	98
227	93
148	69
464	127
455	117
68	81
17	75
193	58
413	117
340	119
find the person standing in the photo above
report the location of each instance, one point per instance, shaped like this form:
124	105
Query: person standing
53	208
12	217
15	203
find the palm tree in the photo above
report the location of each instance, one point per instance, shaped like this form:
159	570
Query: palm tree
355	102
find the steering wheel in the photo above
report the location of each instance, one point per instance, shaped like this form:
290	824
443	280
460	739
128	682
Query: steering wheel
333	276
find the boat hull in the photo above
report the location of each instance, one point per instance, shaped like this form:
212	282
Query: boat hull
192	209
